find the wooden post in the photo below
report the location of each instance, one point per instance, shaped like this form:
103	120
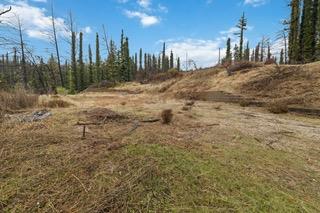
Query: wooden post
84	132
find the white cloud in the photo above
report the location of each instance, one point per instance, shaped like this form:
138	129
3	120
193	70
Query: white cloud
145	19
255	3
144	3
34	20
205	53
87	30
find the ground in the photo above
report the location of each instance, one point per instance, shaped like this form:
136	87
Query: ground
212	157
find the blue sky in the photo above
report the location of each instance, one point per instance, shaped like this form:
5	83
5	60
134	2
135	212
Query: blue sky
196	27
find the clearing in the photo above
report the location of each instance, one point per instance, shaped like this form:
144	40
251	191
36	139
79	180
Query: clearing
213	157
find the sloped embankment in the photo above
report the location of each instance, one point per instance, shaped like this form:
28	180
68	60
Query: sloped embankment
296	85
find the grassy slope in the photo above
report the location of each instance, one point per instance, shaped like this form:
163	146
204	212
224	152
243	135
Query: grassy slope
47	168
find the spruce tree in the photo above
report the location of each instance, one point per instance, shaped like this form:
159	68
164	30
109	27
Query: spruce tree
91	79
294	32
306	36
140	60
236	53
315	33
242	25
228	52
178	64
164	58
257	53
73	76
98	60
281	57
269	52
171	60
81	64
246	56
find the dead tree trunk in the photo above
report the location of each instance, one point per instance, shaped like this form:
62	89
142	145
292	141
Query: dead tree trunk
23	59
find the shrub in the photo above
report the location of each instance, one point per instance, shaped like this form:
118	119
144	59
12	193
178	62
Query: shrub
166	116
56	103
62	91
244	103
243	65
270	61
277	107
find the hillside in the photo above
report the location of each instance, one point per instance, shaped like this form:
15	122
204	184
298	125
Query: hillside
293	84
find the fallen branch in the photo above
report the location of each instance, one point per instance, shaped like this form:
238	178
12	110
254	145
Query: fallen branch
151	120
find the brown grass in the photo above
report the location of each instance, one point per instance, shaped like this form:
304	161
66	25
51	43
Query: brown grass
18	99
244	103
243	65
277	107
166	116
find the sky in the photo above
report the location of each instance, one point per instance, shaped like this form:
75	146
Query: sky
197	28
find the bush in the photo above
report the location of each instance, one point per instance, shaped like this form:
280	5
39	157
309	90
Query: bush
244	103
170	74
270	61
166	116
62	91
277	107
55	103
243	65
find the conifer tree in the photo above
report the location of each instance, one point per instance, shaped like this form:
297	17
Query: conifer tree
315	33
257	53
246	56
164	58
228	52
269	52
171	60
140	60
98	60
242	25
294	32
91	79
236	53
281	57
81	64
178	64
306	37
73	76
252	55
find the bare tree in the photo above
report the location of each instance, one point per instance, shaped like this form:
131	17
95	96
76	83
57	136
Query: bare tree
23	59
105	38
5	11
56	46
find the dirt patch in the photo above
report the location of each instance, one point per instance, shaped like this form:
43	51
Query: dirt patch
103	115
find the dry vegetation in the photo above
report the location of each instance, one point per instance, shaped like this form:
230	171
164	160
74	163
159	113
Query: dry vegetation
213	158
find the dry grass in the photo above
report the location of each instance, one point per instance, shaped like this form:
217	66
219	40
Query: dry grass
54	101
18	99
277	107
166	116
243	65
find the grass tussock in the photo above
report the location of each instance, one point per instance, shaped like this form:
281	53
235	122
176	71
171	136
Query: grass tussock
278	107
53	102
166	116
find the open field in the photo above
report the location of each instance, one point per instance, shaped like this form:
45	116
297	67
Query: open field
213	157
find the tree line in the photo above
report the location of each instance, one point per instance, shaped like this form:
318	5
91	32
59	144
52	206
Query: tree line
77	72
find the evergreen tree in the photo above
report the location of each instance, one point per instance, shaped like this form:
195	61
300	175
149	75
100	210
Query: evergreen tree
140	60
281	57
73	76
306	36
164	58
315	14
178	64
257	53
294	31
269	52
242	25
91	79
81	64
98	60
171	60
236	53
252	55
228	52
246	56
